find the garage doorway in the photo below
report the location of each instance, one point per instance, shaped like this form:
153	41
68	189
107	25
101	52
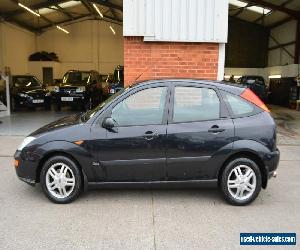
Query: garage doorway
47	75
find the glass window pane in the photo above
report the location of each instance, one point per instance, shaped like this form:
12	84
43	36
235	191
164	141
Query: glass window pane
239	106
142	108
195	104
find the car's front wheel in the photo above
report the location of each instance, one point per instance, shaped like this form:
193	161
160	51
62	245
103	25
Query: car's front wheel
241	181
61	179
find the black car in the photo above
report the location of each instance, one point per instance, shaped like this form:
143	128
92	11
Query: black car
78	88
256	84
27	91
162	132
117	81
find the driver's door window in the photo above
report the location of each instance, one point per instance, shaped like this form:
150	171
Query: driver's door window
145	107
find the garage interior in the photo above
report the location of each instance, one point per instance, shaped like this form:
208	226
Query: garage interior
263	40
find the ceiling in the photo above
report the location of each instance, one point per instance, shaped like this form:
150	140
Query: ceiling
275	13
60	12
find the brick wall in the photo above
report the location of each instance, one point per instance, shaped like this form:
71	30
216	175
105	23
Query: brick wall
157	60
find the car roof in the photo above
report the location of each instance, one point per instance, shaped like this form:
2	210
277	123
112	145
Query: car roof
229	87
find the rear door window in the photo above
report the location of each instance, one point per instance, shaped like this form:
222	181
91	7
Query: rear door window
195	104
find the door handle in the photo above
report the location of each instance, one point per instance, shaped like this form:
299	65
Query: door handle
216	129
150	135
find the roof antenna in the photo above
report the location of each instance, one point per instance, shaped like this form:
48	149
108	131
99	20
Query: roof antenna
139	76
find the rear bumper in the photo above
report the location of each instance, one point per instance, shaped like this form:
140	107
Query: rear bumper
271	161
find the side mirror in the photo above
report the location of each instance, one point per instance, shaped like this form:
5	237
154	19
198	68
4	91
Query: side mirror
108	123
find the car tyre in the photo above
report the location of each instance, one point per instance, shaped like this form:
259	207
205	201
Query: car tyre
61	179
240	181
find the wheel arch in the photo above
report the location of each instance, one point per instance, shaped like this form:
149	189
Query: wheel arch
250	155
60	153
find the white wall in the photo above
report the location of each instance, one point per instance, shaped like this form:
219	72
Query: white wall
15	47
283	34
91	45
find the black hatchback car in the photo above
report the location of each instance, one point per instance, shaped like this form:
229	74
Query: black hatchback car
27	91
162	132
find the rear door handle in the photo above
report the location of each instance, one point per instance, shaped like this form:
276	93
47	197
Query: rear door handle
216	129
150	135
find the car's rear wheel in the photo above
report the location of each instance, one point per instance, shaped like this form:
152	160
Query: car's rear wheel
241	181
61	179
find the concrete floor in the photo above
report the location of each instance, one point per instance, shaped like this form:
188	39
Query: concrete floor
145	219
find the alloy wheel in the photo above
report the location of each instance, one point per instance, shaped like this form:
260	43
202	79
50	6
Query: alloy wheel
241	182
60	180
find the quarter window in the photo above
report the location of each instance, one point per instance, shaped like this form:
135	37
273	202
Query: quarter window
142	108
238	106
195	104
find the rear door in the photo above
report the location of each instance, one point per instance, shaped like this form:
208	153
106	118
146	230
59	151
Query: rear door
199	134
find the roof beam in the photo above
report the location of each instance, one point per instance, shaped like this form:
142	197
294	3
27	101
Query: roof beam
282	45
272	6
108	4
272	11
33	7
285	20
62	10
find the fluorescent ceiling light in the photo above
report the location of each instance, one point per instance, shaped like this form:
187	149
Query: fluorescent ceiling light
62	29
28	9
112	29
97	9
255	8
275	76
235	77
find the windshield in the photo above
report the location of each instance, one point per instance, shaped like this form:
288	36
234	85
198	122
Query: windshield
76	77
85	117
26	81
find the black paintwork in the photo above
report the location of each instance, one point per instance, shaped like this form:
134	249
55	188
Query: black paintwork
24	95
190	152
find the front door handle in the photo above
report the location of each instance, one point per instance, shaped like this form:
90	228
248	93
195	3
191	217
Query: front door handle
216	129
150	135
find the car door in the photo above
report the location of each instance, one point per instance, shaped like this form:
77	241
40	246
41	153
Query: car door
199	133
135	149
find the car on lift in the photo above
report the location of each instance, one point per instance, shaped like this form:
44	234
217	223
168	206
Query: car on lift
117	80
177	132
256	84
78	88
28	91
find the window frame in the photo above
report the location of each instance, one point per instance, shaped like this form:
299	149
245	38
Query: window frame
108	111
223	114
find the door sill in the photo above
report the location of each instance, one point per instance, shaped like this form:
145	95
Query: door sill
155	184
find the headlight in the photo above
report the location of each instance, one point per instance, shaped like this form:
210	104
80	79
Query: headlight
80	89
56	89
26	141
23	95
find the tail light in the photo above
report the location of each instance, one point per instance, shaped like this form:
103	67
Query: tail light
251	97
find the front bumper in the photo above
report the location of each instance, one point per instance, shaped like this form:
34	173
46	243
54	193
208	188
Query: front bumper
27	168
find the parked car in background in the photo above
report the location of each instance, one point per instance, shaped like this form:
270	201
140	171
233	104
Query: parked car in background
117	81
78	88
105	82
164	132
256	84
27	91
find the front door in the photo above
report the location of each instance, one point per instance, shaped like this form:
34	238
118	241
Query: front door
135	149
198	133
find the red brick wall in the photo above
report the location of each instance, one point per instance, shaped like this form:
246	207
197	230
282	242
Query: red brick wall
157	60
